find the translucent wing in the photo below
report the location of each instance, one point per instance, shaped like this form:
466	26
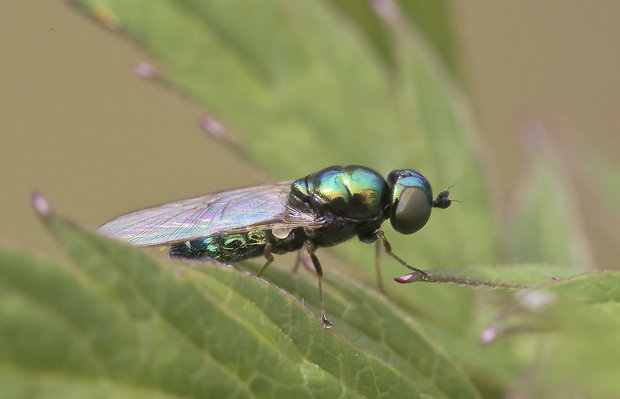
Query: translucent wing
227	211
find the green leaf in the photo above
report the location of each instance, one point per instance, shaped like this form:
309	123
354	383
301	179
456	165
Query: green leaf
434	20
511	277
118	324
431	18
304	88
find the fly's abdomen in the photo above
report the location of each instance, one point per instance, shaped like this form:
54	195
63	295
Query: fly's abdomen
233	247
224	247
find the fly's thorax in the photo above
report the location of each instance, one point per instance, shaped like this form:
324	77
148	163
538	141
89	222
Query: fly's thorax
293	241
351	192
332	234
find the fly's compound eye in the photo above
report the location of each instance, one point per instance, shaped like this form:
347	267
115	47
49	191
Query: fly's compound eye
410	211
411	201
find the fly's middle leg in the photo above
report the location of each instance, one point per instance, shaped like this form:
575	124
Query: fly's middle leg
378	267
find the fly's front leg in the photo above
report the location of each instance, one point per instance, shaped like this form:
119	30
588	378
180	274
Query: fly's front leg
388	250
319	273
267	254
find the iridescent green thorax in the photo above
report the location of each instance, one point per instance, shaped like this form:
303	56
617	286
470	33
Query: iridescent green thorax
352	192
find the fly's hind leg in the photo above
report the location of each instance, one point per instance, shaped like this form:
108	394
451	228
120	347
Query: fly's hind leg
319	273
378	267
388	250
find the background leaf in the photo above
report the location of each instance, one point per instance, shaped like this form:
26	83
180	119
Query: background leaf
602	174
300	82
544	222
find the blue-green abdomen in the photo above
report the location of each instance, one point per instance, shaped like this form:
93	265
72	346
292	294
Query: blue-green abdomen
233	247
224	247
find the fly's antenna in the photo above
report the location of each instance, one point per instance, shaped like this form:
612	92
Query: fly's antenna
442	201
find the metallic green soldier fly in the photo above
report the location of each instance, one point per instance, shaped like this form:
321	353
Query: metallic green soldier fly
320	210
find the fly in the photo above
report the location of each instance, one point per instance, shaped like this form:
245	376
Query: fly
320	210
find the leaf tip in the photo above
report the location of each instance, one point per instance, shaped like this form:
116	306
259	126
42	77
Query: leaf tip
212	127
145	70
106	17
488	335
216	129
40	204
410	278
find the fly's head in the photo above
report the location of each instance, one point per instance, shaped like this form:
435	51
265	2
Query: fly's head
412	200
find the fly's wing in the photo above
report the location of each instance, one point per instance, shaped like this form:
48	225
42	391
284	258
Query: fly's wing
227	211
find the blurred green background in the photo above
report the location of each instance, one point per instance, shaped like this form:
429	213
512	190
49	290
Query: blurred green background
77	125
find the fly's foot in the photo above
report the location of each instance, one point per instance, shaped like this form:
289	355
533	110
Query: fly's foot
422	275
326	323
417	275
